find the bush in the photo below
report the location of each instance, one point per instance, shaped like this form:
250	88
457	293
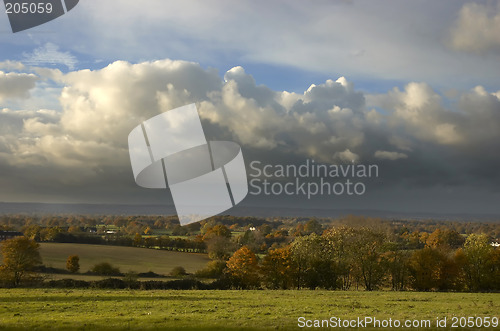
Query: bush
213	269
105	269
180	284
131	279
149	274
153	285
185	284
50	270
178	272
109	283
67	283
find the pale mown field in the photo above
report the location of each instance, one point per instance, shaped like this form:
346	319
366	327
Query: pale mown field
126	258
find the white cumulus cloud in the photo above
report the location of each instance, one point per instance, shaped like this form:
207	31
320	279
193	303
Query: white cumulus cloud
477	28
386	155
16	85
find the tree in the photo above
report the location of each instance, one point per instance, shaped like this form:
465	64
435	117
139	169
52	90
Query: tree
251	239
424	265
219	248
20	256
366	251
74	229
137	240
313	226
433	268
478	257
218	230
277	268
341	242
444	239
243	268
180	231
73	263
396	263
313	262
213	269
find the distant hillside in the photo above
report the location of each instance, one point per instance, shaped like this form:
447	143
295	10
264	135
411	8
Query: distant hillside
256	211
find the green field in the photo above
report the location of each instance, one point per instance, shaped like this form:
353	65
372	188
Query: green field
40	309
126	258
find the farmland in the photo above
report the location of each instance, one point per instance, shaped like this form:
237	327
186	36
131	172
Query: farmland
149	310
126	258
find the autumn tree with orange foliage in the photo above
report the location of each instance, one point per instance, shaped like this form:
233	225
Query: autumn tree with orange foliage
243	268
20	256
277	268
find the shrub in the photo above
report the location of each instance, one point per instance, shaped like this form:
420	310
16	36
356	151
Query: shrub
149	274
105	269
185	284
67	283
131	279
179	284
153	285
178	272
213	269
109	283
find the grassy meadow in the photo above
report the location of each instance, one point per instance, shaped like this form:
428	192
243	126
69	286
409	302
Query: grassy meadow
90	309
125	258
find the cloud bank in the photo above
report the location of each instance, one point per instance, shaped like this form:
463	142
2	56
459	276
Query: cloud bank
416	135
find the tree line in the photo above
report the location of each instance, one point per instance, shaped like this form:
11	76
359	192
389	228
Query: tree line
346	257
279	253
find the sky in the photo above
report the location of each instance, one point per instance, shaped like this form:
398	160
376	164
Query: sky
411	86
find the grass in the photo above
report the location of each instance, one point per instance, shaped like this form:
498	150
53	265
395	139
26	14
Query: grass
41	309
126	258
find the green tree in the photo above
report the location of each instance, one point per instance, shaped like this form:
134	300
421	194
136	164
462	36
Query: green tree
478	262
366	250
213	269
313	263
251	239
73	263
180	230
313	226
20	256
396	264
341	241
219	247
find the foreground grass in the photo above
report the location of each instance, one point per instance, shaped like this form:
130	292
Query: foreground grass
41	309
